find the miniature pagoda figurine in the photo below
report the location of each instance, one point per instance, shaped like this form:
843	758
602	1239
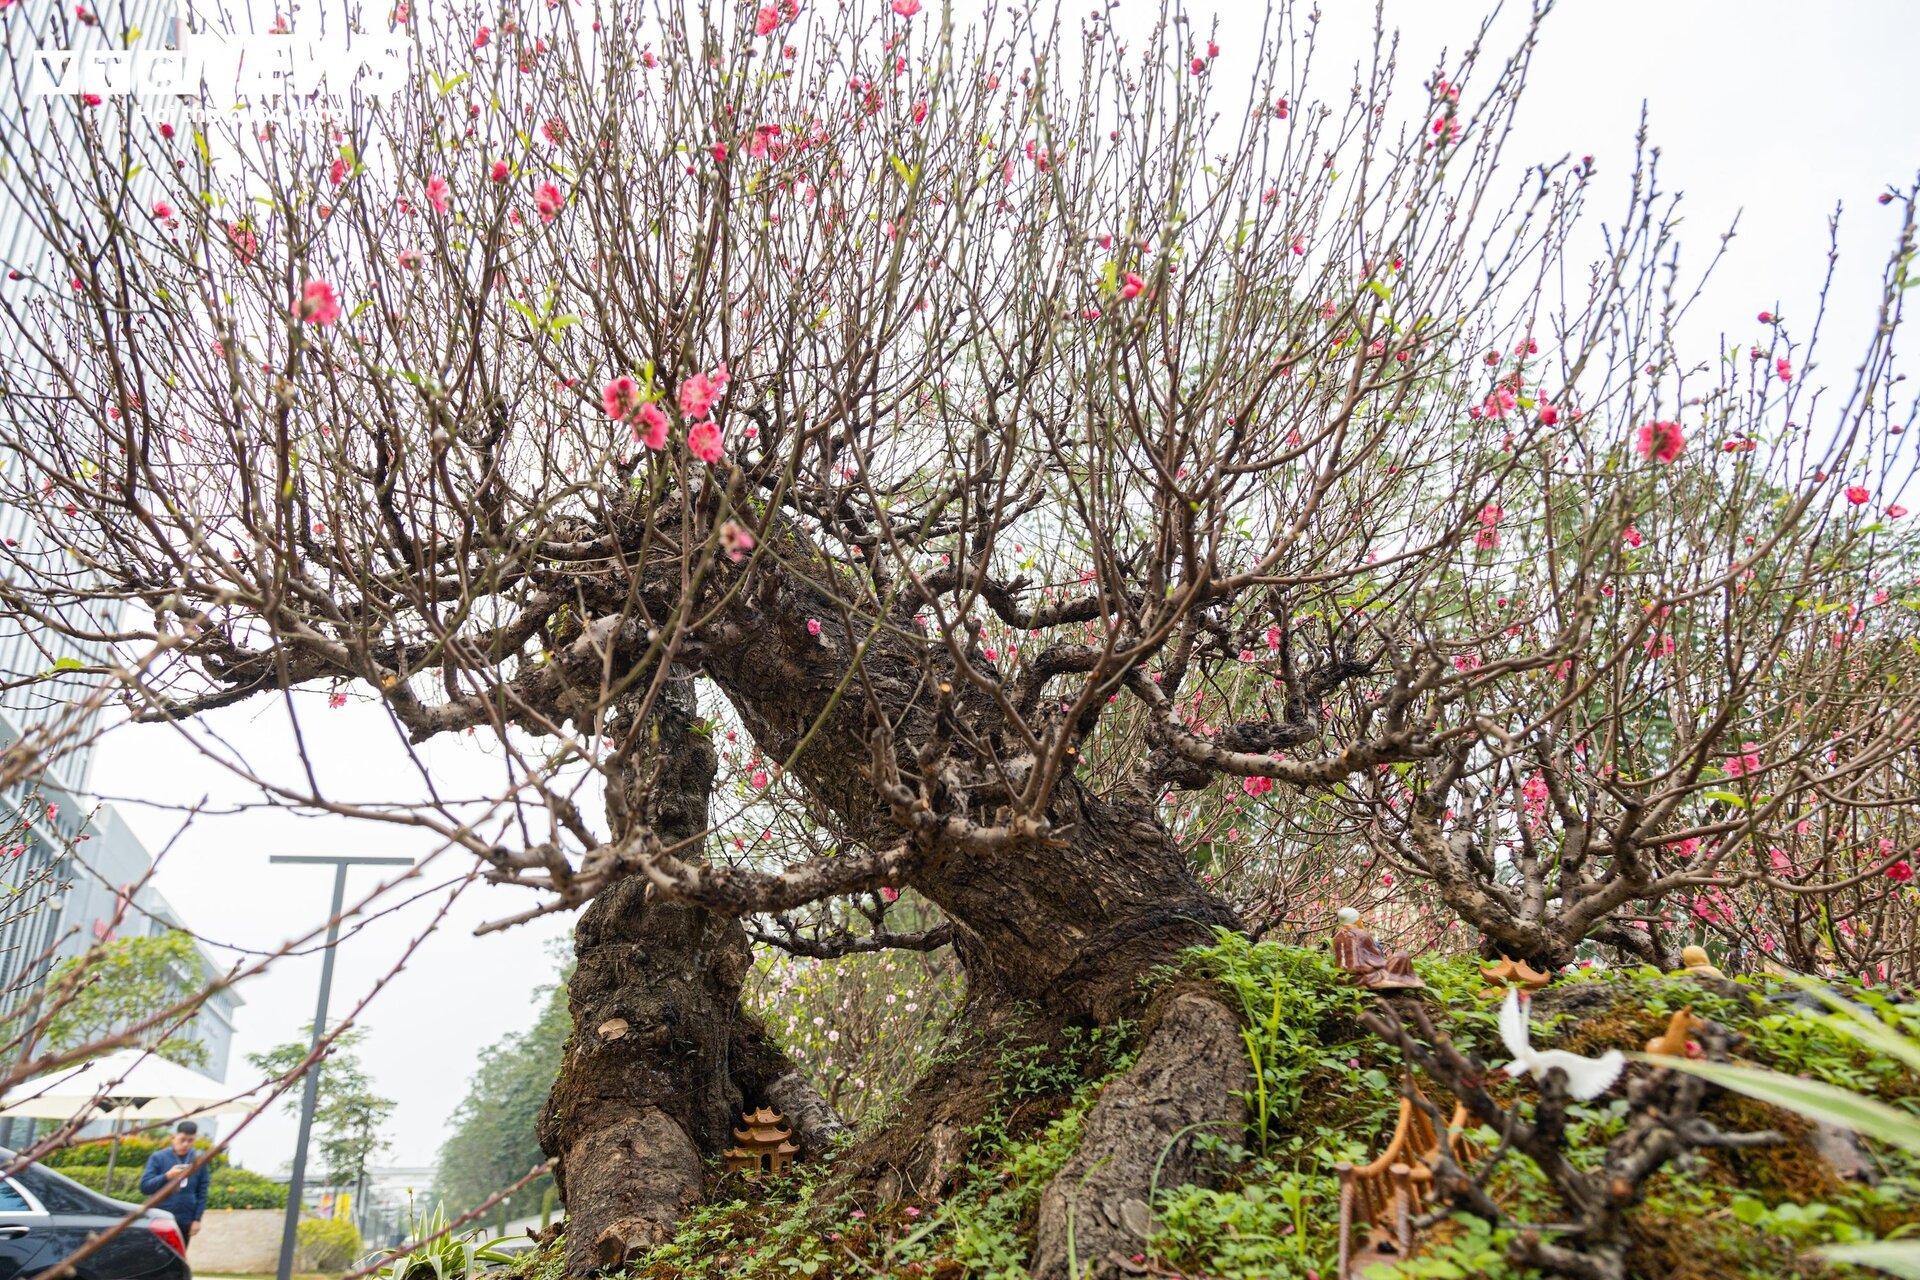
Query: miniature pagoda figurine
1696	962
1506	972
1366	963
1677	1040
766	1144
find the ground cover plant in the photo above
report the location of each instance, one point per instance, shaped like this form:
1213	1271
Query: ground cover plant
1273	1210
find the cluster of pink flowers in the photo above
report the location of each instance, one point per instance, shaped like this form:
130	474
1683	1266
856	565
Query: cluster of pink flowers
622	400
1661	441
1533	796
317	304
1488	536
1746	762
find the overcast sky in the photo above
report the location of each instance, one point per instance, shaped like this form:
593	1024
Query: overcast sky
1773	111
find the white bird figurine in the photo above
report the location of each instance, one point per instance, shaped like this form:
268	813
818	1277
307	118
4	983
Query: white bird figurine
1586	1077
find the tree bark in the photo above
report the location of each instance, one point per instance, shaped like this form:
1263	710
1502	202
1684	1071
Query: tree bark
1052	932
1191	1080
662	1059
644	1092
1066	924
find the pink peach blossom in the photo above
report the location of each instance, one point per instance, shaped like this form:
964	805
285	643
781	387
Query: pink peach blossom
655	421
735	540
1660	441
699	392
703	440
317	305
620	397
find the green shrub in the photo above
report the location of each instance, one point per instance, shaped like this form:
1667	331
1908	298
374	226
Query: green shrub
229	1188
327	1244
244	1189
95	1152
126	1180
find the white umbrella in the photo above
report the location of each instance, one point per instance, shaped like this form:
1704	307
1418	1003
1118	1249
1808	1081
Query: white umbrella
129	1085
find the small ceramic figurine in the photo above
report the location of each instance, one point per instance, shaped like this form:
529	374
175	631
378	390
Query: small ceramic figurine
1587	1078
1506	972
1695	960
1677	1040
1368	964
765	1145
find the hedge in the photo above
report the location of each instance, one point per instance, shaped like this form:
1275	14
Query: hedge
95	1152
229	1188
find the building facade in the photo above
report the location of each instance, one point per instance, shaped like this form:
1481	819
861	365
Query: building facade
73	873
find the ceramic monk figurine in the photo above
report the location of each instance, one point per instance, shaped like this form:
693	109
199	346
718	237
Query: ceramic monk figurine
1364	960
1696	961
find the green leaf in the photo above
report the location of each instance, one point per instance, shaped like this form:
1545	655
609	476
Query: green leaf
1895	1257
1811	1098
68	663
1726	797
1862	1026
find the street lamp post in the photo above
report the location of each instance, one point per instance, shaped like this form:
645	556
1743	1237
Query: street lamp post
310	1092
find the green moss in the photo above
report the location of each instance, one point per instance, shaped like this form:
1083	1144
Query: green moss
1330	1093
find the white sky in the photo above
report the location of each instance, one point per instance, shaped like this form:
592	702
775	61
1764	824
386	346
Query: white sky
1768	109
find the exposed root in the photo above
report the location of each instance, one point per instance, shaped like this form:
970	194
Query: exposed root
659	1176
1192	1078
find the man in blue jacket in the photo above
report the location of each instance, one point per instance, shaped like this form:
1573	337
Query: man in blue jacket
172	1167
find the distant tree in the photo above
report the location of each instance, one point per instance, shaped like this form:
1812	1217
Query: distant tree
493	1144
349	1116
121	982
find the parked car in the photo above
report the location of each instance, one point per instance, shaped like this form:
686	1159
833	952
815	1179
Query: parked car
45	1215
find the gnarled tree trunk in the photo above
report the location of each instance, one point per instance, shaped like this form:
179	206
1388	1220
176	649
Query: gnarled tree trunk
662	1059
1051	932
